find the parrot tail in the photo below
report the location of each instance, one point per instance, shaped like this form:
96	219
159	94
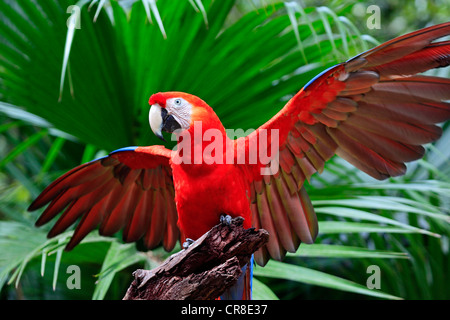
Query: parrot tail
242	289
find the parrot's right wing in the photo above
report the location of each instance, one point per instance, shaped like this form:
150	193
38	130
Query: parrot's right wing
131	188
373	111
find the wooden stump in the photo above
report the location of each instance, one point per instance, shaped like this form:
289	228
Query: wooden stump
203	271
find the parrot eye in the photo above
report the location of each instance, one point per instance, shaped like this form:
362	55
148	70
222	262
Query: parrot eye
177	102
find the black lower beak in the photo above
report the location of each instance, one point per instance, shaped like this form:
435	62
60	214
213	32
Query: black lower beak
169	123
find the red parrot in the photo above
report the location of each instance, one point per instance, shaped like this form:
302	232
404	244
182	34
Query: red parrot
373	111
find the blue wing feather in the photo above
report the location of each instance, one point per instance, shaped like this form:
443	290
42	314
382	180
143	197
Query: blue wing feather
124	149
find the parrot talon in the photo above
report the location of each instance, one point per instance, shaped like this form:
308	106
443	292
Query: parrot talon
188	243
225	219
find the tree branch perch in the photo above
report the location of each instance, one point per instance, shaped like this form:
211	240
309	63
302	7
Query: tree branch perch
203	271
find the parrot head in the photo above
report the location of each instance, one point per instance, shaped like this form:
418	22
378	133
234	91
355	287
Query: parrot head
172	111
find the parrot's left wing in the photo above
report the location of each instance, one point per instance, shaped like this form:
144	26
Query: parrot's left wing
131	188
373	111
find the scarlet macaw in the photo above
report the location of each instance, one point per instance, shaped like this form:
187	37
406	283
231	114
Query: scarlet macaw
372	110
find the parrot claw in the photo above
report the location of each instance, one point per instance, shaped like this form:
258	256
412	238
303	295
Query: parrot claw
225	219
187	243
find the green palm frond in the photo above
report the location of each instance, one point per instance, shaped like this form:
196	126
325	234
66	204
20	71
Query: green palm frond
109	92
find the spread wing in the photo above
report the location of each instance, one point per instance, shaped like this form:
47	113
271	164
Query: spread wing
373	110
131	188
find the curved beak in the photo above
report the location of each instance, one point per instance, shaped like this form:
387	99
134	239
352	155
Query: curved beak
160	120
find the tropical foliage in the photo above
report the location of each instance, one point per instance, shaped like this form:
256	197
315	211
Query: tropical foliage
74	89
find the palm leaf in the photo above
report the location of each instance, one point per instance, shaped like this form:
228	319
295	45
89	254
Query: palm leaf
110	91
275	269
337	251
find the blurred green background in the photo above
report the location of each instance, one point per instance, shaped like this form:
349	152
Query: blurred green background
71	94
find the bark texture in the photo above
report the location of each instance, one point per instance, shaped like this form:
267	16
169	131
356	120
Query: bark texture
204	270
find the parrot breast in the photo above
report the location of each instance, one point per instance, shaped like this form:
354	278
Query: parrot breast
202	198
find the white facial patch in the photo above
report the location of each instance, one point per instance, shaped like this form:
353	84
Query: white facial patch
181	110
